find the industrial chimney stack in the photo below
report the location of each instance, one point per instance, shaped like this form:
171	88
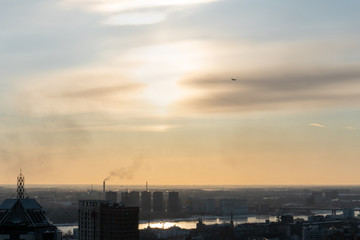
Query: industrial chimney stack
104	188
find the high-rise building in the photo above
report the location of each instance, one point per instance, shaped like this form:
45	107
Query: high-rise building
234	206
158	202
89	220
130	199
173	202
118	222
111	196
313	232
145	201
24	218
103	220
125	198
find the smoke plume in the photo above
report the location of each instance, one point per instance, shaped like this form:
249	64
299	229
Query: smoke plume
125	172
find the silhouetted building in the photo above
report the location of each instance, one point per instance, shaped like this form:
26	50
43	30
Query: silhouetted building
130	199
89	219
316	219
118	222
331	194
171	233
201	205
316	198
173	202
158	202
145	201
210	206
76	233
24	218
102	220
348	213
223	231
313	232
125	198
111	196
263	208
233	206
287	219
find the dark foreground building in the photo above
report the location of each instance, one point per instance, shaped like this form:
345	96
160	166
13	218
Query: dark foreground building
103	220
23	218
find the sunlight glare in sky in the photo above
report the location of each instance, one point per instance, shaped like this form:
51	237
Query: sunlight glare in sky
161	67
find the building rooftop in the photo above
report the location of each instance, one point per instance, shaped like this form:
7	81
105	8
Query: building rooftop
27	203
26	212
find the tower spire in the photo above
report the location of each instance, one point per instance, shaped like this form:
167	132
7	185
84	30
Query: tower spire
20	185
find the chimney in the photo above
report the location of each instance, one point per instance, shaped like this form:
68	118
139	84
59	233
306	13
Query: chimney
104	188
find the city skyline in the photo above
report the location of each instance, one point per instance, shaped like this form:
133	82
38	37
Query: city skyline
202	92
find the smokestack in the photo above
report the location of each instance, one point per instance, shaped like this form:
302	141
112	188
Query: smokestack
147	186
104	188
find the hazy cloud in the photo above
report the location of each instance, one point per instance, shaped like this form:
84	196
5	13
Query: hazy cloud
135	18
127	12
297	89
26	141
317	125
102	91
128	5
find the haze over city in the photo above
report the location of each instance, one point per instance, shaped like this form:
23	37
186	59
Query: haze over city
201	92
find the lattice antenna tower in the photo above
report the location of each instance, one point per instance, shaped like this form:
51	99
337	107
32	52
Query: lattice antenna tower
20	186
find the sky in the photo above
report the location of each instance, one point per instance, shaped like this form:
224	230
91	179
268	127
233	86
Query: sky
141	90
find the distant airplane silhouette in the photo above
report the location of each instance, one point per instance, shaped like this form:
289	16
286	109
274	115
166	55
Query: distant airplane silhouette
233	79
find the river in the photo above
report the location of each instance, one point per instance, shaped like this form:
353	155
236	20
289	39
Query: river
189	223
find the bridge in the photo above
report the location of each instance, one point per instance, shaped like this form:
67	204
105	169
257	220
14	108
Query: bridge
332	209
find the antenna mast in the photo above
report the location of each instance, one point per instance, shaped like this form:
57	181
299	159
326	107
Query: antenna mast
20	186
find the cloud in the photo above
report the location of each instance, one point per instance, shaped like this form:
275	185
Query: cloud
128	5
109	126
101	91
292	89
78	91
135	18
317	125
351	128
26	141
132	12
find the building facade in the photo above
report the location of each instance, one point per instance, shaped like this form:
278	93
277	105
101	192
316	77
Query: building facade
173	202
130	199
233	206
104	220
145	201
158	202
111	196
